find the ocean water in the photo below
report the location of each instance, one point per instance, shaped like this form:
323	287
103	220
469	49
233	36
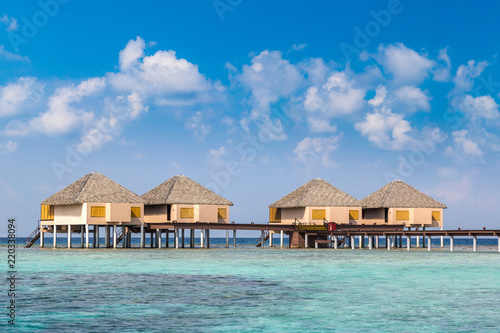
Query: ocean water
250	289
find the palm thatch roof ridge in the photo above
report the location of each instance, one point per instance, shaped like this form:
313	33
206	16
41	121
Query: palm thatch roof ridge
398	194
183	190
93	188
316	192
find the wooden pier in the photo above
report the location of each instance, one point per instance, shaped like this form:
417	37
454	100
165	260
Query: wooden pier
300	236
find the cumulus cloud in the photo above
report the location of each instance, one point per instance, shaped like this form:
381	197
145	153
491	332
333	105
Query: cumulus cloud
269	78
311	151
481	107
8	147
411	99
379	98
404	65
465	144
338	96
465	75
163	77
15	96
99	108
386	130
62	115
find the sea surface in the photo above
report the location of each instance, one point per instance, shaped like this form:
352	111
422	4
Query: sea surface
250	289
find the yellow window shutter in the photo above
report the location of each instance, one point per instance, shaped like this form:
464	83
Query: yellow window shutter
187	212
136	212
274	214
353	214
47	213
403	215
436	215
222	213
318	214
97	211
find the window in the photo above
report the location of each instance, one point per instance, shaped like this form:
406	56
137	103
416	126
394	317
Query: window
274	215
318	214
436	215
354	215
187	213
402	215
222	213
47	213
97	211
135	212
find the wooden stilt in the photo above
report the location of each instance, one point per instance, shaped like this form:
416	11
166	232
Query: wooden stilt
69	236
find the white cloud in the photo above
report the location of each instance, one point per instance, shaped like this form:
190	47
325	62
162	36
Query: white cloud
8	147
380	95
316	151
404	65
386	130
215	156
197	124
299	47
62	116
269	78
465	144
163	77
464	78
408	99
99	108
12	56
320	125
482	106
337	96
411	99
132	53
16	95
443	73
11	22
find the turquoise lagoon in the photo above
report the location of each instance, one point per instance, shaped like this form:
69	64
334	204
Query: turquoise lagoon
256	290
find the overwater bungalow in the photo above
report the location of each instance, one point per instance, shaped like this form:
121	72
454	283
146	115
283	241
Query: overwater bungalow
316	202
181	199
92	201
400	203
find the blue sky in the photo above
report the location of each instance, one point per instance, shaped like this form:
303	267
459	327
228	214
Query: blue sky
251	99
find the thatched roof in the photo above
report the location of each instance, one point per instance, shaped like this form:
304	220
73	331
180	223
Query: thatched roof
93	188
398	194
316	192
183	190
